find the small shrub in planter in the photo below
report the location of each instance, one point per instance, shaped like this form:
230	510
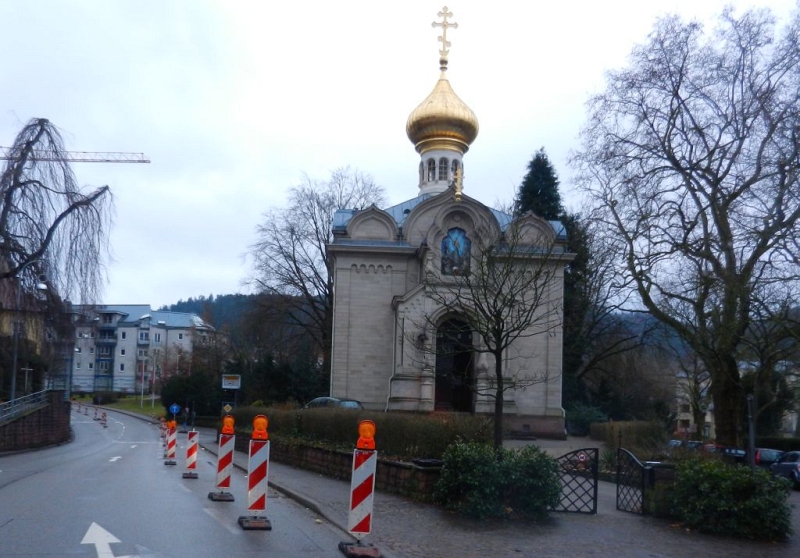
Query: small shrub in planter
714	497
478	482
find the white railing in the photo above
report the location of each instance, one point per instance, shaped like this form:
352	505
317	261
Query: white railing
15	407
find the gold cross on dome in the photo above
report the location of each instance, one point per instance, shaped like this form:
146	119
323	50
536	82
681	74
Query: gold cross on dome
445	25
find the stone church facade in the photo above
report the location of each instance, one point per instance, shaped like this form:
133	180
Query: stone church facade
394	347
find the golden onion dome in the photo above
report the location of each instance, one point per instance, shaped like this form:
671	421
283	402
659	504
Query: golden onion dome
442	121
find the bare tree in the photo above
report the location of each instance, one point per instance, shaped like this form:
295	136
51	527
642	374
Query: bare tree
49	229
290	254
47	223
510	290
690	158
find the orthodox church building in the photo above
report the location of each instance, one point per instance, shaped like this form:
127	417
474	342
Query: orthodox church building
394	346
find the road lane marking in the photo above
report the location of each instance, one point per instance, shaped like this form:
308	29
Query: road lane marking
113	459
223	520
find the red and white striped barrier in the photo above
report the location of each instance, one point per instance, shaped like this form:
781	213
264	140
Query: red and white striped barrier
224	468
172	446
96	416
191	455
257	481
86	410
362	489
104	420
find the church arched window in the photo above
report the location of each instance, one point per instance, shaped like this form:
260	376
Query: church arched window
456	247
431	170
443	168
454	168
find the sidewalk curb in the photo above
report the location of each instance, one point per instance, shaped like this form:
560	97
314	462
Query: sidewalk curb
302	499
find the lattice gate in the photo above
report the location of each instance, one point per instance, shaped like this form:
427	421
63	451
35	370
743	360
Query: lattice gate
630	482
578	473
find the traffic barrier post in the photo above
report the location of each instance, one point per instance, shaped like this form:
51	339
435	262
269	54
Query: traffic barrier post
362	489
227	440
257	478
104	420
172	445
96	416
191	455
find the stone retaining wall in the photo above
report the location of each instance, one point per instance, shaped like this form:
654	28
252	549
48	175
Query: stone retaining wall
44	427
395	477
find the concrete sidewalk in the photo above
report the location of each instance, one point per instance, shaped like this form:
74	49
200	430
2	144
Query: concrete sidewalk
405	528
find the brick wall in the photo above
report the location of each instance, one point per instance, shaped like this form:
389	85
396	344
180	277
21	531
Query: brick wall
45	427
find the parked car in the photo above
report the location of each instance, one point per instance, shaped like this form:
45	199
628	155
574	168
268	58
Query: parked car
765	457
333	402
788	466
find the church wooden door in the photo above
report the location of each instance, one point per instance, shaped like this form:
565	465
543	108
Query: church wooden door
454	370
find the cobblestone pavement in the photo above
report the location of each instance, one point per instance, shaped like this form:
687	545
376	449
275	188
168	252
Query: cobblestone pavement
405	528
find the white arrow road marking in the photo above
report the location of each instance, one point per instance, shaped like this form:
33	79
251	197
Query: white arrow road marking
133	446
113	459
102	540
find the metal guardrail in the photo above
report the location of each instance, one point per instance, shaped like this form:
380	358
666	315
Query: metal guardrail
21	405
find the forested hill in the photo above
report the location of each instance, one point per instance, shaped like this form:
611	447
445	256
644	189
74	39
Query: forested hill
221	311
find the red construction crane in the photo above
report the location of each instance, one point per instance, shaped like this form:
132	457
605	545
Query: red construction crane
80	156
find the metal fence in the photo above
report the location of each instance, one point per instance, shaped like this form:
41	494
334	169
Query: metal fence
578	475
16	407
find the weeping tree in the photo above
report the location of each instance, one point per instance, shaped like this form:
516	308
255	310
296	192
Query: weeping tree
690	159
48	224
51	230
290	255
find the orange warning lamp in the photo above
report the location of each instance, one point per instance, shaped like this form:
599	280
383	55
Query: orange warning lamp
260	423
366	435
172	424
227	424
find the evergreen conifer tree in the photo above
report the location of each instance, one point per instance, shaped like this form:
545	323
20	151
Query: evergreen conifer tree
539	189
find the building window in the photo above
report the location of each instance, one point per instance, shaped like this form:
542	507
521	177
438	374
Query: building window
122	367
180	336
77	366
124	334
157	337
144	336
685	408
91	365
443	169
104	351
456	247
102	366
122	352
421	173
142	352
108	318
78	349
431	170
454	168
91	350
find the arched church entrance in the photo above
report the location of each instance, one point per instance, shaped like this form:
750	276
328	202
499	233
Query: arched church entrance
454	367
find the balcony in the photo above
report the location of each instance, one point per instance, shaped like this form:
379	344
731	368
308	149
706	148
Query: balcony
106	340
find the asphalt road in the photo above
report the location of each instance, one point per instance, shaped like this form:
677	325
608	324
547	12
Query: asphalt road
109	494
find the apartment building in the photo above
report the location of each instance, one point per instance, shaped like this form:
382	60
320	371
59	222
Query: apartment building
126	348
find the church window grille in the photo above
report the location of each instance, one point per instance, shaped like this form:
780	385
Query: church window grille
456	247
431	170
442	169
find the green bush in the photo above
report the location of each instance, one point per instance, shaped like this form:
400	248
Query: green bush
530	477
714	497
479	482
401	436
646	436
580	416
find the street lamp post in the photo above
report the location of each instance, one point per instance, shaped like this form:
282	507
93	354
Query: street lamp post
17	328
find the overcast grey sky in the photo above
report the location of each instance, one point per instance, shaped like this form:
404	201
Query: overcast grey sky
234	100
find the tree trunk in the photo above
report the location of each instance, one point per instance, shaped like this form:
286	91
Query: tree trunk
728	399
498	401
